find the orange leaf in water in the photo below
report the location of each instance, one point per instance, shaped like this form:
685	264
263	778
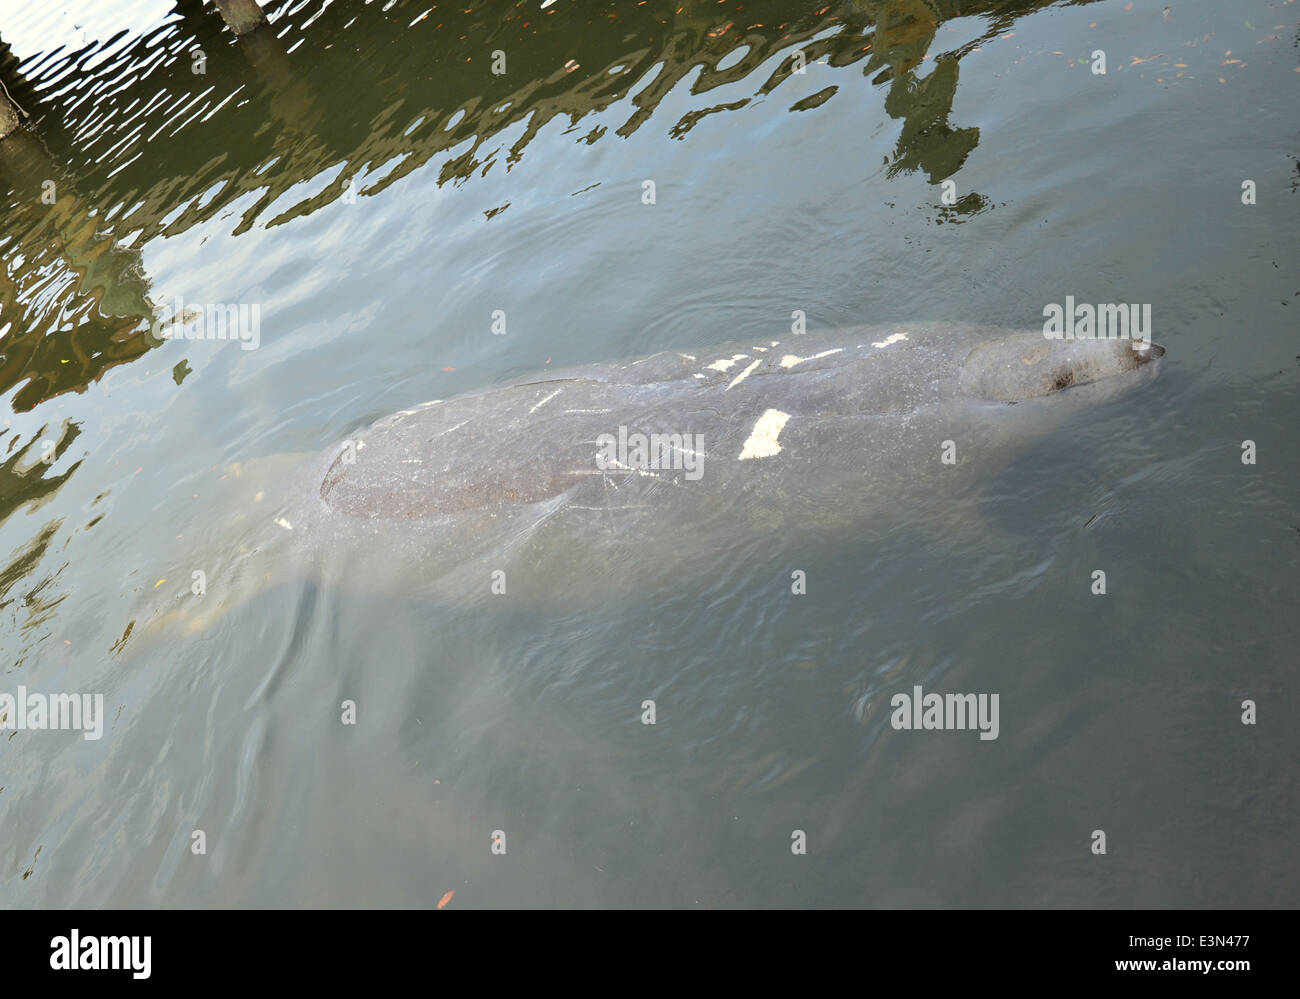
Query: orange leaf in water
445	899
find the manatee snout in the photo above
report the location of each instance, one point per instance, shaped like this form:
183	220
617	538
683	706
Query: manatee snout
1029	365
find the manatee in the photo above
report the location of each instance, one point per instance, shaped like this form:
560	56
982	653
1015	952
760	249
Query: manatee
751	446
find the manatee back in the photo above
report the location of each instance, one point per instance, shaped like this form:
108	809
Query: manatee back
534	442
489	449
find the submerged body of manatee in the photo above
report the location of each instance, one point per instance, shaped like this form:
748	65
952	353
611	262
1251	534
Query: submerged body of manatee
629	477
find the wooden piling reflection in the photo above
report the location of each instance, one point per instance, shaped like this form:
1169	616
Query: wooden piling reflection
241	16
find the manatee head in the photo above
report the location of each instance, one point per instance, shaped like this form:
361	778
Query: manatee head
1028	365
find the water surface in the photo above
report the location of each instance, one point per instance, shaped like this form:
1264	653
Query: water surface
360	174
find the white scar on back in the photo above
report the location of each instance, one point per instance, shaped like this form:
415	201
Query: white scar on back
762	441
742	376
892	338
725	363
546	400
789	361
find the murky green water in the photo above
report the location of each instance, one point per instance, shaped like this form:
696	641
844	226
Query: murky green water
362	176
